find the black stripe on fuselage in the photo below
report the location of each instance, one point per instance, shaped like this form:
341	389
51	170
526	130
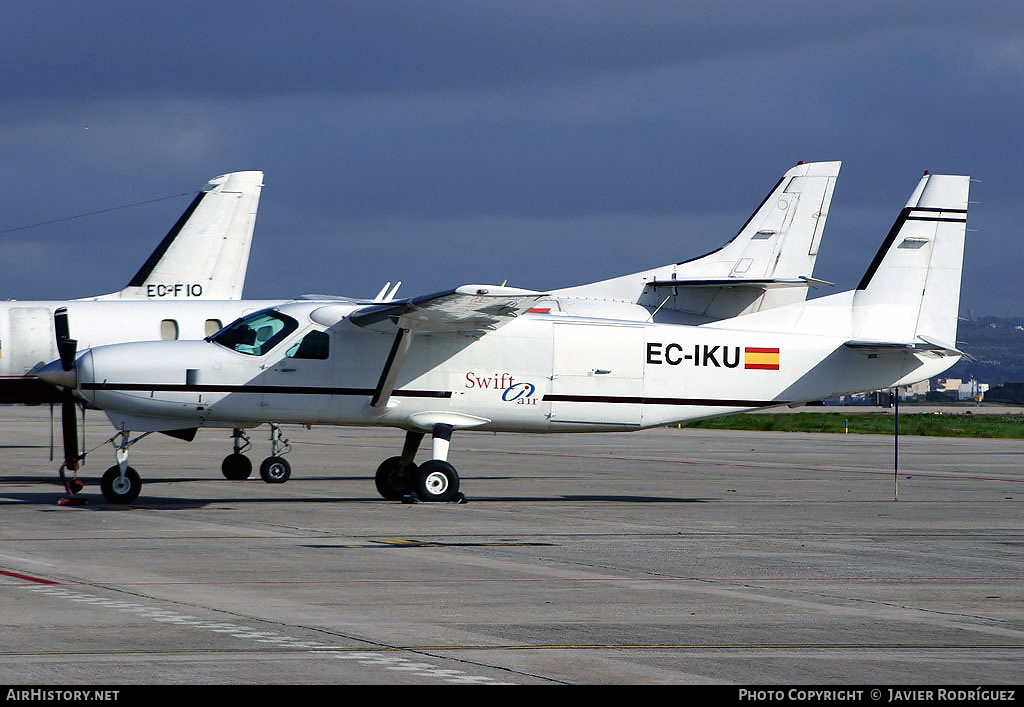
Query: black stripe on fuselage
644	400
263	389
317	390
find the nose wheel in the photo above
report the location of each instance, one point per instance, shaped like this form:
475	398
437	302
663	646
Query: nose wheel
121	483
120	488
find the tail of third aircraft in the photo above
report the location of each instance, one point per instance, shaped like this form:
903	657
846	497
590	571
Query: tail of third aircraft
206	253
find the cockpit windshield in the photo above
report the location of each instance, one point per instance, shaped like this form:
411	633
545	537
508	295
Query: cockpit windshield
256	333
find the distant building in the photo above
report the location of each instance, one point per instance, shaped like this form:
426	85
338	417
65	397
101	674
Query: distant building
915	390
972	390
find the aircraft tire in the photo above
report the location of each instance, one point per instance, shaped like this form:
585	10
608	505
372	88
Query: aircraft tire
393	480
236	467
120	490
437	481
275	470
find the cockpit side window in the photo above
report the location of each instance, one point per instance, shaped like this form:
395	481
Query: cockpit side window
315	344
257	333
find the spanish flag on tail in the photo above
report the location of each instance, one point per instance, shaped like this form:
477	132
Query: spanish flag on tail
761	358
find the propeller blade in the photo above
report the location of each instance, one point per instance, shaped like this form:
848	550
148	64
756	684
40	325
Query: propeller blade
60	323
69	430
67	347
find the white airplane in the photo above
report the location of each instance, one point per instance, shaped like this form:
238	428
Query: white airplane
337	357
187	288
203	258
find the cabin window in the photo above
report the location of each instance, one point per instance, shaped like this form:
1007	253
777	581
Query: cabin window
315	344
213	326
169	330
257	333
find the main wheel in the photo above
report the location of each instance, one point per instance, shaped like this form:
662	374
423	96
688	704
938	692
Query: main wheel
275	470
236	467
437	481
394	480
120	489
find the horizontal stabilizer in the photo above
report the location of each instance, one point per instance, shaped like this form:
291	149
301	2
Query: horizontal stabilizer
922	345
470	309
766	283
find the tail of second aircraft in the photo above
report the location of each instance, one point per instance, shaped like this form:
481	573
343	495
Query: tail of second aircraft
768	264
206	253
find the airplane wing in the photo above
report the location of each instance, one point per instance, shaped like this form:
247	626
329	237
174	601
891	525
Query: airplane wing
471	310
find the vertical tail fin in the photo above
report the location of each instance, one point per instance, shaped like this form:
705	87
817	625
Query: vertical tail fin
911	291
206	253
769	263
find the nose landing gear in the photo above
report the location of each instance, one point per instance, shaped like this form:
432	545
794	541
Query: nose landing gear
121	483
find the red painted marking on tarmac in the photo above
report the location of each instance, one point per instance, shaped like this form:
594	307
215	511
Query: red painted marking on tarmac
545	580
27	578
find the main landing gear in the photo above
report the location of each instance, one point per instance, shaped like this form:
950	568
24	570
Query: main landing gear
274	469
400	478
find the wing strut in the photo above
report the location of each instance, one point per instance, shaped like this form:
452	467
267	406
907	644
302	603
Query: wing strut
386	384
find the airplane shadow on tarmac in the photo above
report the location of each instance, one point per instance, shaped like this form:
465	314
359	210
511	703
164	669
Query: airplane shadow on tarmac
90	498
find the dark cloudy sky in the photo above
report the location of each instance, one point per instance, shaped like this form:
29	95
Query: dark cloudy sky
454	141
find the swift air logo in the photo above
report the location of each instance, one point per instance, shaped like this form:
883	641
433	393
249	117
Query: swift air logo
520	394
512	391
707	356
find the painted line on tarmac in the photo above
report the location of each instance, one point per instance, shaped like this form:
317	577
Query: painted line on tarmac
388	662
26	577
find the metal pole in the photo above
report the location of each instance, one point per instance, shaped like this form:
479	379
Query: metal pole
896	449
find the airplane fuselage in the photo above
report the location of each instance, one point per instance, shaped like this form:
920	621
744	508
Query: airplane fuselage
27	335
539	373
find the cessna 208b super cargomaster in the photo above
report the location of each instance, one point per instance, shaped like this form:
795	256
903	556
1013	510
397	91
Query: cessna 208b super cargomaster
586	358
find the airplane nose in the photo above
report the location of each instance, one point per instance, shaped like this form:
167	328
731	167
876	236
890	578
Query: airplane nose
54	373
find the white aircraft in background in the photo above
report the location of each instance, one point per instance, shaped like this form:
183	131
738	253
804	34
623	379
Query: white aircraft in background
187	288
497	358
203	259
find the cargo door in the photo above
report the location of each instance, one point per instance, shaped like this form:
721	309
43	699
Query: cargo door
597	374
